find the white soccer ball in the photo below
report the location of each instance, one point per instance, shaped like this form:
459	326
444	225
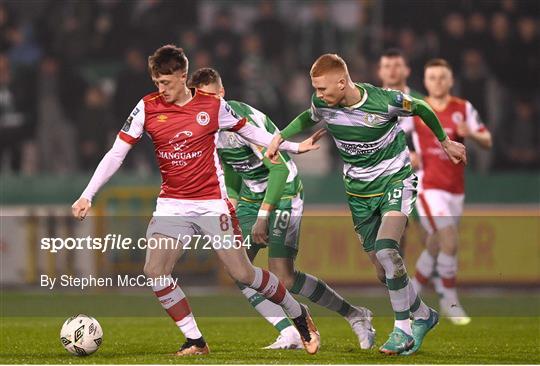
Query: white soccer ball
81	335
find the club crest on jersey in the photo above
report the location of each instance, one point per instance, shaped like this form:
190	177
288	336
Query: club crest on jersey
457	117
162	118
203	118
371	119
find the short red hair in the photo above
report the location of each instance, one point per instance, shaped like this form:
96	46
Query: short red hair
327	63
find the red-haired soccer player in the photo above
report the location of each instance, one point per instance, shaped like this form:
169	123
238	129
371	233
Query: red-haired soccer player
379	180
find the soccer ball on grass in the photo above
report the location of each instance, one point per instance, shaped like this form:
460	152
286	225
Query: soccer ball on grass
81	335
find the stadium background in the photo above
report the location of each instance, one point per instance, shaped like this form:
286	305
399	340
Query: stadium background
70	73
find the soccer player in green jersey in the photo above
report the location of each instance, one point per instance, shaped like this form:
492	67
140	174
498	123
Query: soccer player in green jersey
269	199
379	181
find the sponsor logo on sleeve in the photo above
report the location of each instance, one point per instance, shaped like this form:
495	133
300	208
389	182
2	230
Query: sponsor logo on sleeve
231	111
407	102
403	100
127	124
407	105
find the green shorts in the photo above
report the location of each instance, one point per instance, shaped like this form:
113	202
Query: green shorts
367	212
283	226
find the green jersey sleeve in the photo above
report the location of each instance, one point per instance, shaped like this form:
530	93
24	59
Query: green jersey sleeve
302	122
277	179
403	105
399	103
424	111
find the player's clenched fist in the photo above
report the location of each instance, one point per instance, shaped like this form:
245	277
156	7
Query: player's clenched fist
455	151
80	208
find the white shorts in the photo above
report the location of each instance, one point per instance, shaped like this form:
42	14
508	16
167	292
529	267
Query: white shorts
183	218
438	209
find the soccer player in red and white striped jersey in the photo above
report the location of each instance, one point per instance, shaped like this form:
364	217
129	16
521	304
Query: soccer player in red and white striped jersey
442	185
193	198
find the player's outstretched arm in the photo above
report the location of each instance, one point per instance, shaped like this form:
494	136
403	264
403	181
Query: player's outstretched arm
302	122
455	151
106	168
261	137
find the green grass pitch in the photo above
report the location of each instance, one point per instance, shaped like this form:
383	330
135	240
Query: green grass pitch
146	335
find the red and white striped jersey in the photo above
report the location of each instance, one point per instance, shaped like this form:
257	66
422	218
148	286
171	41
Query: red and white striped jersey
438	172
184	139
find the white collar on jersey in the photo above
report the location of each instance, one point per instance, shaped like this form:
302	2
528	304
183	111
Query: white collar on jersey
362	101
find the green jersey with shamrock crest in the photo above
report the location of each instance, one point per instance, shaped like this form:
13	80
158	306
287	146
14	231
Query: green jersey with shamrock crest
369	139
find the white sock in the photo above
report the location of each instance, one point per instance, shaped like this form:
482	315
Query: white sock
404	325
189	327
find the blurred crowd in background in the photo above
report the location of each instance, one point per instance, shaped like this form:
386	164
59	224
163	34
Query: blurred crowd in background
71	71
